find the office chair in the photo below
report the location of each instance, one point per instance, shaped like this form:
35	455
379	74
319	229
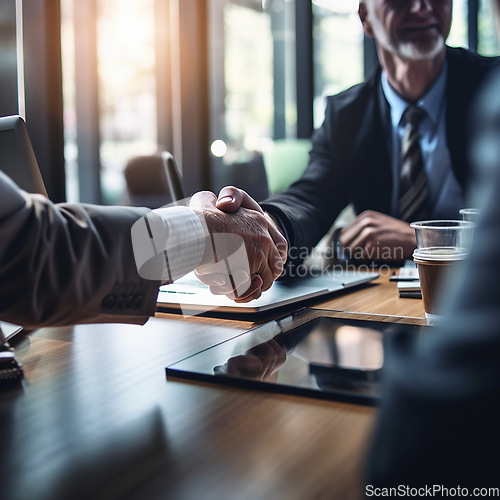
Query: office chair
153	180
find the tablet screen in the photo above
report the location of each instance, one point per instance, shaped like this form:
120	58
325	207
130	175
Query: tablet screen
314	353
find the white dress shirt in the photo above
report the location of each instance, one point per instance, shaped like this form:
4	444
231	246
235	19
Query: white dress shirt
168	243
186	236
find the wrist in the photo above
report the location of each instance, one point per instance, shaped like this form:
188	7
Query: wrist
277	224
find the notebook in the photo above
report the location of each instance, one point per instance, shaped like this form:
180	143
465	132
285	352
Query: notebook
189	296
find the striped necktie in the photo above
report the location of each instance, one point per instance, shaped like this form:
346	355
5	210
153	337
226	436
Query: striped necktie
412	178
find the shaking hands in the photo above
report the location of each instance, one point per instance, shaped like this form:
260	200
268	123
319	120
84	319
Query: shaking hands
246	251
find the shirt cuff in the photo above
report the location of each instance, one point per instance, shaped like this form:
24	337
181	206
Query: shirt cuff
185	242
168	243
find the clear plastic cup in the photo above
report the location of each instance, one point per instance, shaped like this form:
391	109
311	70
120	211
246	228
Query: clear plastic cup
469	214
440	245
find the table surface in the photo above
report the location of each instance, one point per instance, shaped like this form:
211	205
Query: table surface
98	419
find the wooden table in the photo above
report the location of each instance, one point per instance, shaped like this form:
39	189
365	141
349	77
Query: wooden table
97	418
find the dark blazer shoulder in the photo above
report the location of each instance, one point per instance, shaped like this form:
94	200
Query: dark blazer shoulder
355	97
461	60
356	122
467	72
353	114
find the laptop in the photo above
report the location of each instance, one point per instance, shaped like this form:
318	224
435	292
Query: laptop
190	296
18	161
17	158
8	330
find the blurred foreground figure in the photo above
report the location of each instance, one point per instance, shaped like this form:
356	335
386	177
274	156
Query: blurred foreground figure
439	421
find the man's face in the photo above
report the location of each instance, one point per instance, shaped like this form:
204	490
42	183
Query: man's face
413	29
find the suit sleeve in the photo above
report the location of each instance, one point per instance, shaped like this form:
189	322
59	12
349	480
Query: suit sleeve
308	208
66	264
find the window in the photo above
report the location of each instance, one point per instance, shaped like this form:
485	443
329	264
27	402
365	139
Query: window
458	34
245	52
125	92
338	50
473	26
251	79
488	42
248	77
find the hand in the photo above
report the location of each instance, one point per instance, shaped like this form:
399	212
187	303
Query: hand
262	363
235	220
379	237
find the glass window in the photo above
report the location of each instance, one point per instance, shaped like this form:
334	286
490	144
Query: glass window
488	43
487	40
338	50
127	90
256	49
458	34
248	77
69	105
251	60
252	80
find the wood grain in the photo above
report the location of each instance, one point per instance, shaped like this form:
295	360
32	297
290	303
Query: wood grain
379	297
98	419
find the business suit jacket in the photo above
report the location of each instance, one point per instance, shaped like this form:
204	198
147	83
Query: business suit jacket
66	264
439	421
350	161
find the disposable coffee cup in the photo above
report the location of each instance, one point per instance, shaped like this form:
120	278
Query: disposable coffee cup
469	214
441	244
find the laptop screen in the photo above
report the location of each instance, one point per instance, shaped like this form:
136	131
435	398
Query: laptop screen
17	158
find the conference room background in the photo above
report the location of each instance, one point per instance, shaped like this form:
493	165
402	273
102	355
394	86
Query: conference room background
215	82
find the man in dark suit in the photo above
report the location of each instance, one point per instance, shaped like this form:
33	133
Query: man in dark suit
355	154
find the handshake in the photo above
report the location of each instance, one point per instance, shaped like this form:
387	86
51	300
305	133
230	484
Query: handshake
241	254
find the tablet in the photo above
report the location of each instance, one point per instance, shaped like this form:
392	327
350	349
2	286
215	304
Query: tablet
314	353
